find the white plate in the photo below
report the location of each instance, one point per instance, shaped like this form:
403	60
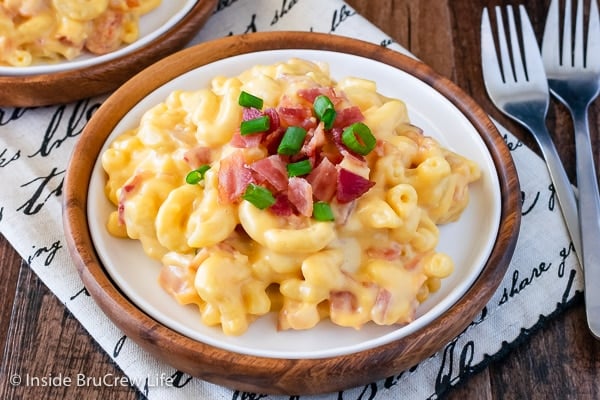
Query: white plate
468	241
152	25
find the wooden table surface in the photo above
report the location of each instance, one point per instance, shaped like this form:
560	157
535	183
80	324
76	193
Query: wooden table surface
561	360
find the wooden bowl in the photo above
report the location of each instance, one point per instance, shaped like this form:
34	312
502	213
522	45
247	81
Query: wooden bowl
46	88
266	373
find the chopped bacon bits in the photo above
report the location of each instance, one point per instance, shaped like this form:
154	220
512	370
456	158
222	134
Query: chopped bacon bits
391	253
348	116
315	140
342	302
246	141
249	113
329	179
272	169
382	306
351	186
300	194
297	116
323	179
275	122
233	177
311	94
282	206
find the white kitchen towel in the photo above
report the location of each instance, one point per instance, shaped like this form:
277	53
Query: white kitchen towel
35	146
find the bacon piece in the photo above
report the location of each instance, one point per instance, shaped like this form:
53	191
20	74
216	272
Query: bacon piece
323	180
297	116
380	309
266	138
300	194
233	177
315	139
351	186
106	31
336	137
391	253
274	120
331	151
271	141
310	94
246	141
348	116
282	206
357	164
342	302
198	156
249	113
273	170
273	136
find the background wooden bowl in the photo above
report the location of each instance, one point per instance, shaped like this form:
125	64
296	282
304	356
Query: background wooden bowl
72	85
265	374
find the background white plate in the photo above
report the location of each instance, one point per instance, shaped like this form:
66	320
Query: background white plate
152	25
468	241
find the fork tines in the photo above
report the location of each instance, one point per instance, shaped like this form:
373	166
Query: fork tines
511	64
569	52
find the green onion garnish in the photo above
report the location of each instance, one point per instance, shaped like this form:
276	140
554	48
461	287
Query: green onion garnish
292	141
324	110
249	100
358	138
197	175
299	168
259	196
322	211
256	125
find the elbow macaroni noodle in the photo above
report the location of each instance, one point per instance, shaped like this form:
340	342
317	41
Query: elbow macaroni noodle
375	262
53	30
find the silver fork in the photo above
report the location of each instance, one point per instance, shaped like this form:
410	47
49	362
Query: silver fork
574	78
522	94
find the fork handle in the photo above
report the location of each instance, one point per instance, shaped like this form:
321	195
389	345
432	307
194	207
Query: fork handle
589	218
560	180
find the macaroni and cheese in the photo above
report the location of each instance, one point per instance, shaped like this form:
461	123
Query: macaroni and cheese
284	190
53	30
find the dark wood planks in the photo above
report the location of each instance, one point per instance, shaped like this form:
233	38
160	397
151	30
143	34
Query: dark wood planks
561	361
42	339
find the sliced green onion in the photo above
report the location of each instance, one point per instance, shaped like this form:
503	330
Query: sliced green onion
249	100
358	138
292	141
299	168
322	211
259	196
197	175
256	125
324	110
